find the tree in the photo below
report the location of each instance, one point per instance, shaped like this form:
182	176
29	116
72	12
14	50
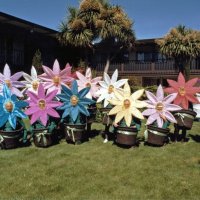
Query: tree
37	61
182	44
97	20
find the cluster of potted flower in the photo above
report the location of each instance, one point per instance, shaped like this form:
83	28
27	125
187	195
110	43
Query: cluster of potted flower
62	99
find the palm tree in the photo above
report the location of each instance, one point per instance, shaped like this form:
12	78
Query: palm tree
97	19
182	44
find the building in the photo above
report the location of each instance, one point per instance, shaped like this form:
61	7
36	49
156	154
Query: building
146	64
20	39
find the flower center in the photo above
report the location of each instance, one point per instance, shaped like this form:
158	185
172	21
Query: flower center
182	91
35	85
159	106
56	80
9	106
110	89
74	100
42	104
88	85
8	83
127	103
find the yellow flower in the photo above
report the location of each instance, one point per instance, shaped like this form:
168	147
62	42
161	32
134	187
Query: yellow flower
127	104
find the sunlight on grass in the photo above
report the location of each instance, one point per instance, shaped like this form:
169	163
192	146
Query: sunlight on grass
94	170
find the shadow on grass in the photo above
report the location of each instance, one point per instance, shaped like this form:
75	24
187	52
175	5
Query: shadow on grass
196	138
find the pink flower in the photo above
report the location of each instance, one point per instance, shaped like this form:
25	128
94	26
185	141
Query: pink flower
54	79
42	105
87	81
12	81
185	90
159	107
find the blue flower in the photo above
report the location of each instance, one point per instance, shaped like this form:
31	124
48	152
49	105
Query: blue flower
10	108
74	102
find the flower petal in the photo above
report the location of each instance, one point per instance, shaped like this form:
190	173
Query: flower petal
160	93
36	116
51	95
149	111
7	72
128	118
66	91
16	92
12	120
172	107
74	87
159	122
136	95
181	80
185	103
152	118
193	90
139	104
168	99
32	110
151	97
170	90
48	72
136	113
33	96
4	119
44	118
173	84
74	112
115	110
27	77
83	110
178	99
107	79
170	117
103	84
16	76
86	101
56	67
88	73
96	80
119	116
82	78
119	83
115	102
41	91
191	98
34	73
114	77
83	92
52	112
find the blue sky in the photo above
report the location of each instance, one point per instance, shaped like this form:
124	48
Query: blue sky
152	18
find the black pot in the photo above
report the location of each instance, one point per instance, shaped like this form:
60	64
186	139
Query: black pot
157	136
126	135
185	118
107	119
10	139
74	132
42	138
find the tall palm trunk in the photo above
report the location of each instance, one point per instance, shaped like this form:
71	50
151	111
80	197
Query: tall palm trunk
186	67
107	64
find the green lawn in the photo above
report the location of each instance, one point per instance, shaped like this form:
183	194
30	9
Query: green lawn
97	171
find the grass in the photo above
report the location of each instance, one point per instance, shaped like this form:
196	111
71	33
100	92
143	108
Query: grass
94	170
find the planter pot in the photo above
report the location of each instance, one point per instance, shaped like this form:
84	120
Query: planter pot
92	117
107	120
74	132
126	135
185	118
42	138
157	136
10	139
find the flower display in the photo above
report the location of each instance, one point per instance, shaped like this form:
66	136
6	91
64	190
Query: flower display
53	79
74	101
127	104
12	81
87	81
31	81
10	107
41	105
185	90
160	107
108	86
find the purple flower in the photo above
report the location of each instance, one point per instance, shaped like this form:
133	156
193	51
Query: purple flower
11	81
160	107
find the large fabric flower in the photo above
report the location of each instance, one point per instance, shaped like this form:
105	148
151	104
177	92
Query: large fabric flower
10	108
108	86
31	81
42	105
87	81
160	107
74	102
185	90
53	79
12	81
127	104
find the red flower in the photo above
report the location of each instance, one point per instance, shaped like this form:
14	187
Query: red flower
185	90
